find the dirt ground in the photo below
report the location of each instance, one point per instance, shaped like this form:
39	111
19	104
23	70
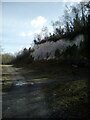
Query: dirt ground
29	94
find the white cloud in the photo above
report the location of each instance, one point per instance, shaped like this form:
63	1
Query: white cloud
23	34
38	22
30	33
26	34
37	31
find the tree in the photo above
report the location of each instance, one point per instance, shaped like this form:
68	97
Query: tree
7	58
87	37
44	32
24	56
74	17
68	21
58	30
57	54
70	52
37	38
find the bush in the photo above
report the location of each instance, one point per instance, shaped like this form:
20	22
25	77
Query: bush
7	58
24	57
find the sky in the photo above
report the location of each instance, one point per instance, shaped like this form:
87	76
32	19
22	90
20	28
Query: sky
21	20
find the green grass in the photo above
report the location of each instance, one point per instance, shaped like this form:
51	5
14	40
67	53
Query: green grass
7	85
6	77
70	96
69	89
5	82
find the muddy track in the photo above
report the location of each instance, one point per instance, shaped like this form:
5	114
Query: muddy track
23	100
32	96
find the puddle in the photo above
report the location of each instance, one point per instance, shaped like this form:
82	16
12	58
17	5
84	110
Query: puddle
20	83
31	83
23	83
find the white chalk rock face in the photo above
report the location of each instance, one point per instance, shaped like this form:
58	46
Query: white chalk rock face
47	50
